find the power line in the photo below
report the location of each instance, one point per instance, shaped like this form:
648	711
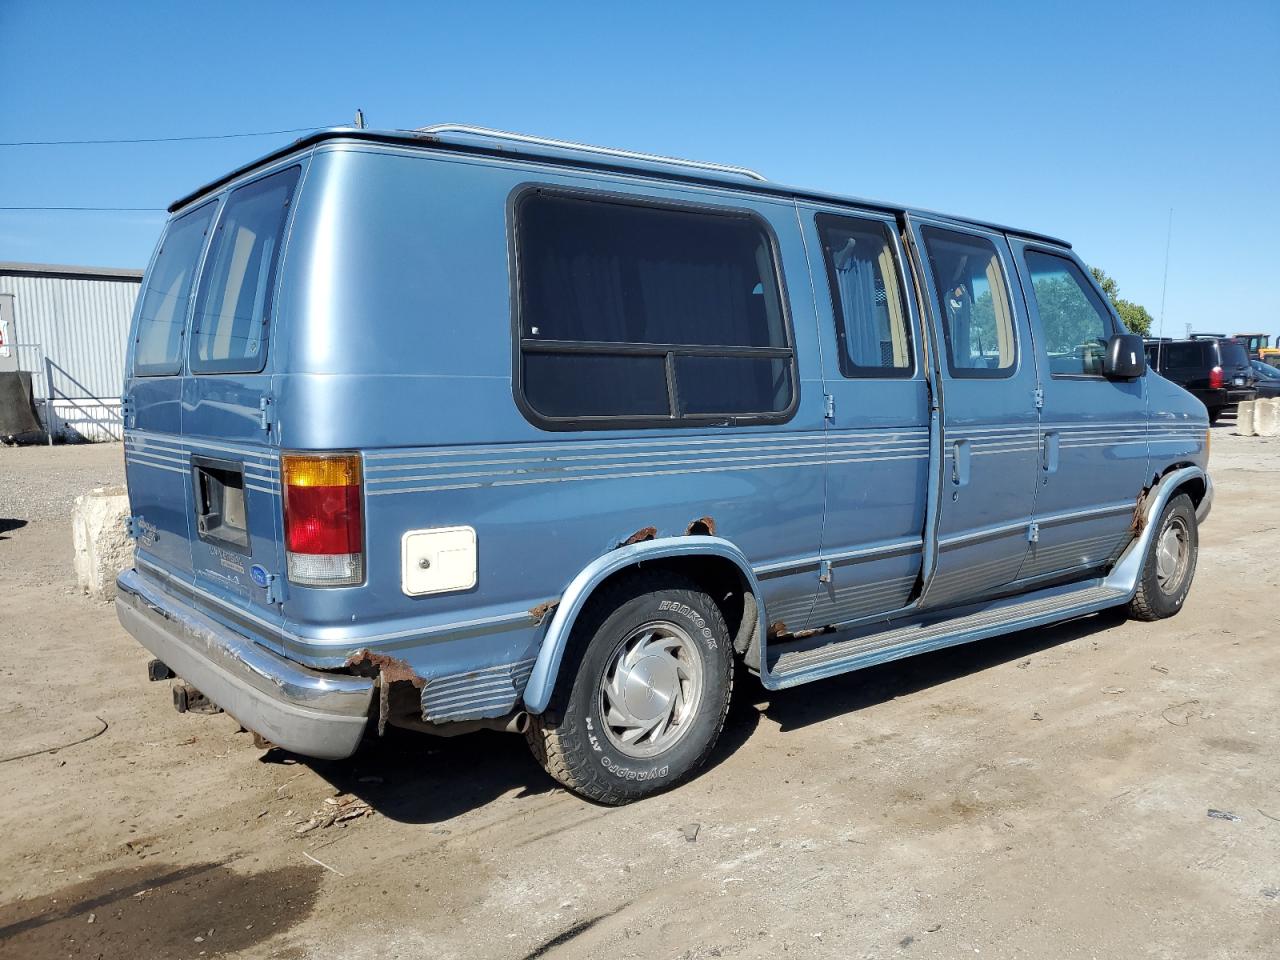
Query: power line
211	136
94	209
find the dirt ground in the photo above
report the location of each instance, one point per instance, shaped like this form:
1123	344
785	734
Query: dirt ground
1047	794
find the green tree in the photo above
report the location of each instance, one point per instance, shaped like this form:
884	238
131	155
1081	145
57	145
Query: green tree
1134	315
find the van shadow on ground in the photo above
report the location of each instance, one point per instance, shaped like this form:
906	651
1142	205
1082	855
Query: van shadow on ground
415	778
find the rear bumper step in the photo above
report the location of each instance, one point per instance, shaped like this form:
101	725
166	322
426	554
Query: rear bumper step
309	712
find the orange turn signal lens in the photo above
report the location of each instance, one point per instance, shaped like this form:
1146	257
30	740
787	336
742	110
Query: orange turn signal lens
312	470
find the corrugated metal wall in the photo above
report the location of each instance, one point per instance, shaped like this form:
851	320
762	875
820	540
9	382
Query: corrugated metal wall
83	326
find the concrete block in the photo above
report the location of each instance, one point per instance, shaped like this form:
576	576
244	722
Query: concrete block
1244	418
1266	418
102	545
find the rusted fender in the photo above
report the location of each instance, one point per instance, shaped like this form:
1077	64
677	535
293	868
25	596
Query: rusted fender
543	678
1124	575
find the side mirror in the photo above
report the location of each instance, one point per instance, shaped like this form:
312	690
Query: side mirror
1126	357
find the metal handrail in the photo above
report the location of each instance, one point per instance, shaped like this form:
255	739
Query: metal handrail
469	129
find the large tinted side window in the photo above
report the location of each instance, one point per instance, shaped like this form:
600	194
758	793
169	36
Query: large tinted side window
977	321
1074	324
234	299
871	316
645	313
1191	354
163	312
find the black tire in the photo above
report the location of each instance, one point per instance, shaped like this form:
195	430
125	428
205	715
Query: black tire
1214	414
569	739
1156	600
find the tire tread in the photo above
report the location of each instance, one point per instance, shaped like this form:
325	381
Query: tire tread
565	758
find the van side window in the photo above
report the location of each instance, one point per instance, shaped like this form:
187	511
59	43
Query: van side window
1073	322
1187	355
973	302
163	313
630	311
234	299
871	318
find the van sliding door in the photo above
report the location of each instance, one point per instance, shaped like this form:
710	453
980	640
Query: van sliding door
987	379
877	437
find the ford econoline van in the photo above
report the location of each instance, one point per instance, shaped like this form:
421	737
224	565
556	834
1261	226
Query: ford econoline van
455	428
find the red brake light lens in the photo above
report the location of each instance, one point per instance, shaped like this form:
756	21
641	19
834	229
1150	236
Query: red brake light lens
1215	378
323	522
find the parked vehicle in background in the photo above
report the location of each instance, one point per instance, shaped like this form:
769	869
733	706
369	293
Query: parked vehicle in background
454	428
1214	369
1268	379
1253	343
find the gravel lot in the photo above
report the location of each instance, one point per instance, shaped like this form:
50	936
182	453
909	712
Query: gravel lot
41	483
1047	794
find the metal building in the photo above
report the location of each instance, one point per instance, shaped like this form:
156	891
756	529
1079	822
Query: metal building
68	327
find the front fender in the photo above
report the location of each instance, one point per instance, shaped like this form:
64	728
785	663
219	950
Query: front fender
542	680
1124	575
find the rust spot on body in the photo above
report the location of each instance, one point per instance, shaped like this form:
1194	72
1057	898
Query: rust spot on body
644	533
1139	520
391	668
777	628
539	613
703	526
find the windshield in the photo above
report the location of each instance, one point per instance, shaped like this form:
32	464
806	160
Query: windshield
1266	369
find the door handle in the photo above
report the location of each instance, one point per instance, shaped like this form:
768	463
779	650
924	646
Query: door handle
960	463
1049	451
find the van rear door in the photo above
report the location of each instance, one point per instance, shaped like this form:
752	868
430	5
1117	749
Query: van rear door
156	465
234	485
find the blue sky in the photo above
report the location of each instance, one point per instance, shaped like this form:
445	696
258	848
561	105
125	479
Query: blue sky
1084	120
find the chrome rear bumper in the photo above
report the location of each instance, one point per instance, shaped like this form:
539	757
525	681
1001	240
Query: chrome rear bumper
307	711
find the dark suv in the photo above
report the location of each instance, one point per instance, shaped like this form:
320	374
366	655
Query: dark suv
1215	369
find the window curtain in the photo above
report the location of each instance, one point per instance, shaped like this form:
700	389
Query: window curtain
856	280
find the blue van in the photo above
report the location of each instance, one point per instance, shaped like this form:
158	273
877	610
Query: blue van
455	428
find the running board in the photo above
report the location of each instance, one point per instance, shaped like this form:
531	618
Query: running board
828	654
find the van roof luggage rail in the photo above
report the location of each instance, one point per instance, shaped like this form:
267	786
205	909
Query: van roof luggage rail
470	130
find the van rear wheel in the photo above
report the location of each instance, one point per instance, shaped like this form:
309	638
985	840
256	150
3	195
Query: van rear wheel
643	692
1171	562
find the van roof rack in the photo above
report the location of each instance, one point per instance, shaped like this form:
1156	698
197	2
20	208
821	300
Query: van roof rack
1209	336
474	131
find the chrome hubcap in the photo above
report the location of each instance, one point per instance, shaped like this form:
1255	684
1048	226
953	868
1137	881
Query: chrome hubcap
651	689
1171	554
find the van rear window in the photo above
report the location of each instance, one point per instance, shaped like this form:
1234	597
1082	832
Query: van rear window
229	332
631	311
163	313
1233	354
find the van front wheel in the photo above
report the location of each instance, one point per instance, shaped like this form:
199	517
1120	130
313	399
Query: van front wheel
1171	562
644	689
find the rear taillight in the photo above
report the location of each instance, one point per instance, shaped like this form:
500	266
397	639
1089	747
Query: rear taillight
323	528
1215	378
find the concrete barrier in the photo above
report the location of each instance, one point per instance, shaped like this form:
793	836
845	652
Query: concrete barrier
1266	418
101	539
1244	418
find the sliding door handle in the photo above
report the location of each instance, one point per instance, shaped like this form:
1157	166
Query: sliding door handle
1049	451
960	463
